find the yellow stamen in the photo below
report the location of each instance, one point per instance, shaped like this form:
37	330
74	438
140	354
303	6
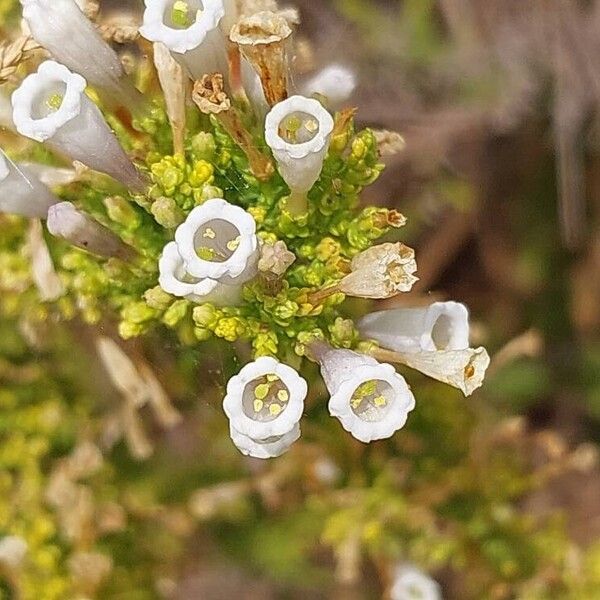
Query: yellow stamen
275	409
233	245
262	391
209	233
258	405
283	395
380	401
54	102
272	378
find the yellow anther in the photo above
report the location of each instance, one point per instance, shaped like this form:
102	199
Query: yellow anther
272	378
283	395
262	391
234	244
205	253
311	125
54	102
180	13
258	405
209	233
275	409
380	401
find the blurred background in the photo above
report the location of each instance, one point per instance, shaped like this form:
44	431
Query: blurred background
495	496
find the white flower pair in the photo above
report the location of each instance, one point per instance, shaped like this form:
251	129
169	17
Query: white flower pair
265	401
214	253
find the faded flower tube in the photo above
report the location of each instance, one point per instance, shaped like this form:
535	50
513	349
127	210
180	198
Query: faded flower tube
21	193
66	222
61	28
264	404
190	30
298	131
369	398
175	280
51	106
262	39
218	241
439	326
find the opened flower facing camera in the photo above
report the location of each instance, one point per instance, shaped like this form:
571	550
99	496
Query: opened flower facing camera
298	131
51	106
190	30
264	403
223	208
410	583
370	399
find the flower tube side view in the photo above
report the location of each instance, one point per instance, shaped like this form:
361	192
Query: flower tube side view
439	326
21	193
190	30
61	27
51	106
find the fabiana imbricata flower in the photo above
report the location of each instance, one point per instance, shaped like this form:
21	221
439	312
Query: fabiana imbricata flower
66	222
51	106
264	403
369	398
218	241
381	272
439	326
61	28
190	30
335	83
298	131
175	280
410	583
21	193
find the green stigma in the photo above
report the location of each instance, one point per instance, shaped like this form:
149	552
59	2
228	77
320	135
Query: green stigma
180	14
54	102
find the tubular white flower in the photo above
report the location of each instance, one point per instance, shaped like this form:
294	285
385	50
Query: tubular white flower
189	29
218	241
335	82
61	28
174	280
298	131
66	222
369	398
21	193
51	106
265	399
271	448
411	583
439	326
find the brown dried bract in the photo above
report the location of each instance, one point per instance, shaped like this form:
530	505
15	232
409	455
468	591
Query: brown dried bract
12	54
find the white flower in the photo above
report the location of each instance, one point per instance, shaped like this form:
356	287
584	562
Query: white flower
66	222
439	326
21	193
218	241
265	399
175	280
381	272
335	82
12	551
51	106
412	584
298	131
270	448
369	398
190	29
61	28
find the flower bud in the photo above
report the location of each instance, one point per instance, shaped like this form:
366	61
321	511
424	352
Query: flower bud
21	193
61	28
66	222
335	83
